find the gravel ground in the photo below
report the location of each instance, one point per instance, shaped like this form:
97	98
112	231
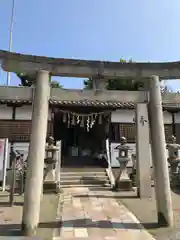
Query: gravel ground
145	211
10	217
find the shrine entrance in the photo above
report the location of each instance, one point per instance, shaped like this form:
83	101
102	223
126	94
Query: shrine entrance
83	135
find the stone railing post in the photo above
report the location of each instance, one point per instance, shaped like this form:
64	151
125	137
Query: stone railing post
58	166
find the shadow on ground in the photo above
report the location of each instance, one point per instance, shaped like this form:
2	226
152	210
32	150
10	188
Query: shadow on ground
15	229
176	190
88	223
7	204
105	196
10	230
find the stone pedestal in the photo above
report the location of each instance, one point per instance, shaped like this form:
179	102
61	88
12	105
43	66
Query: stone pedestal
123	181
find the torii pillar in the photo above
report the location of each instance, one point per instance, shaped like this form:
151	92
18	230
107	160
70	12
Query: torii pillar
34	181
143	165
158	146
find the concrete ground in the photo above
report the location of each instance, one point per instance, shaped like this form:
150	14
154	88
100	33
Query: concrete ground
10	217
145	211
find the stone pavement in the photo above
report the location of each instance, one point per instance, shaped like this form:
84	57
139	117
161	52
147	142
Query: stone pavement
84	215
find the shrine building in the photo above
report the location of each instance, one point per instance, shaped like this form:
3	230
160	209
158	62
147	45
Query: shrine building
83	125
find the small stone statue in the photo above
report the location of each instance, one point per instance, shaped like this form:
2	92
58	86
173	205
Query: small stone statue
123	181
174	158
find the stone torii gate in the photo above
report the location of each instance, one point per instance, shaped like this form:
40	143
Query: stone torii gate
42	67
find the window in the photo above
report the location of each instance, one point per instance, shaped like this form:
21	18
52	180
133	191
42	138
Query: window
117	130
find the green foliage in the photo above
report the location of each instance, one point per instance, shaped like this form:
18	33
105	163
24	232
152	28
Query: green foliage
122	83
55	84
28	80
118	84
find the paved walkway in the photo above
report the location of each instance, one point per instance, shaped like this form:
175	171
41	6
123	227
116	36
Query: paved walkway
84	215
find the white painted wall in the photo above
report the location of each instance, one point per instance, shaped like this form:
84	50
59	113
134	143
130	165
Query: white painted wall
127	116
177	117
5	112
168	119
25	113
114	154
122	116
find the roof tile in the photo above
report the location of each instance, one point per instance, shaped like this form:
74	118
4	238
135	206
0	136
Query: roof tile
112	104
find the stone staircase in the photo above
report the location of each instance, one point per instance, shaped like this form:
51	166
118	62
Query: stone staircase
87	177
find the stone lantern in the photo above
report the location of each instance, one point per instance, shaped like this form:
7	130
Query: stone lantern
123	181
50	162
174	160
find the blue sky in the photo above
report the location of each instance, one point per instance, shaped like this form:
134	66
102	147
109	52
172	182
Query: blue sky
144	30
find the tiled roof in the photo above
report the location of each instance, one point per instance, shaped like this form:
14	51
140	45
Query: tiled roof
92	103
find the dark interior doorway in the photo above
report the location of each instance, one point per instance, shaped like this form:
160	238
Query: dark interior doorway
80	147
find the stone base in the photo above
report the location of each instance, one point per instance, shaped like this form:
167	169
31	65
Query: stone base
125	185
49	187
133	179
174	180
28	231
58	188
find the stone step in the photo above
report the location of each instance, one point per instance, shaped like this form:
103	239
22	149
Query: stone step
95	181
82	173
92	186
71	177
84	177
87	169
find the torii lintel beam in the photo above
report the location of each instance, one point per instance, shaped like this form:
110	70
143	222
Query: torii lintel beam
18	63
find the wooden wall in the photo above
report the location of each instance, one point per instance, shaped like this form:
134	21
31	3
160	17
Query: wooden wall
15	123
